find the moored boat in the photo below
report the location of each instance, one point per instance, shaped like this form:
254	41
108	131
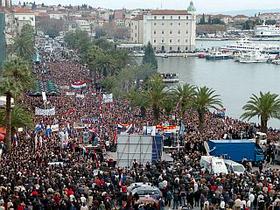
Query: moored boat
218	55
169	77
253	57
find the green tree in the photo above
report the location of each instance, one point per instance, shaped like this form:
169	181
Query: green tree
184	96
202	20
78	40
20	117
265	106
149	56
209	19
16	78
156	95
139	99
24	45
204	99
51	27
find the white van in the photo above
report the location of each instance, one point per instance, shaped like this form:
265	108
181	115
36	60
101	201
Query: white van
213	164
234	167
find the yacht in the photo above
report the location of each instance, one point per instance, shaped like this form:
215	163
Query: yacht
253	57
169	77
267	31
217	55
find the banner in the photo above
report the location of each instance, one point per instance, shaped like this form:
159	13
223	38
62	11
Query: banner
44	112
44	96
69	93
78	85
55	127
107	98
80	96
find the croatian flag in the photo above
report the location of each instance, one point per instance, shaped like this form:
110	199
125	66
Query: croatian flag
78	85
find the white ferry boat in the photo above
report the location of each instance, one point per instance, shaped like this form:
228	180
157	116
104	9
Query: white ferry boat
244	45
267	31
169	77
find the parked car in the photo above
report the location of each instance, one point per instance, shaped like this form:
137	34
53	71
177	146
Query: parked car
146	190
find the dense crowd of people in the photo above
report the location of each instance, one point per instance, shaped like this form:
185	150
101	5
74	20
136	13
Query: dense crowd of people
51	168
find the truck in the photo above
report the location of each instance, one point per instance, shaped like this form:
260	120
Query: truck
236	150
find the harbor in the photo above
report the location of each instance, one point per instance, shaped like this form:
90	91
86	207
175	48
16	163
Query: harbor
226	76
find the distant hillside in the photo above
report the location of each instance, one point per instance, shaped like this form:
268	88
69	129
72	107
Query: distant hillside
249	12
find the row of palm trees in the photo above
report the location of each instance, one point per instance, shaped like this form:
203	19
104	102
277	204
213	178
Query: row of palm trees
182	99
186	98
15	79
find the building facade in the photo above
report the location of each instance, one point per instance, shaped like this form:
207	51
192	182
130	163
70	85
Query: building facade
166	30
270	16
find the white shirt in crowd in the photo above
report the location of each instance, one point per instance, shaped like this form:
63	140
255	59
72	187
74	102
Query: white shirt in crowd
251	197
222	205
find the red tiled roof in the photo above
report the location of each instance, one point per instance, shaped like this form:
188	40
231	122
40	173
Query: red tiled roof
22	10
169	12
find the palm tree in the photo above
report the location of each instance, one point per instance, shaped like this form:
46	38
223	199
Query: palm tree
156	95
138	99
24	43
184	96
19	118
265	106
16	78
204	99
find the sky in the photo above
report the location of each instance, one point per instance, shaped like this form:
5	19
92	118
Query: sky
201	5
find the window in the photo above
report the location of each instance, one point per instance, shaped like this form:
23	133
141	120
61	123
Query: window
187	18
170	48
162	41
155	41
186	41
155	24
179	32
170	32
155	17
186	32
171	17
171	24
170	40
179	17
162	23
162	32
179	24
178	40
163	17
155	48
155	32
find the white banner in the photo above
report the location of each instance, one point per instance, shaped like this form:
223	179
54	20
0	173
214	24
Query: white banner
55	127
70	93
107	98
44	96
44	112
80	96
